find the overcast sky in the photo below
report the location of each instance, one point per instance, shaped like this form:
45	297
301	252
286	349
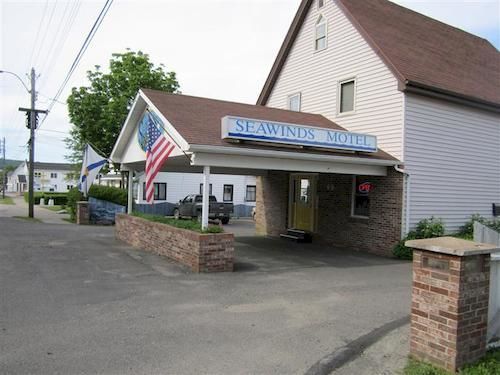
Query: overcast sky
219	48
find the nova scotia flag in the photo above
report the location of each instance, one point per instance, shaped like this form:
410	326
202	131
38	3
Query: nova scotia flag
91	165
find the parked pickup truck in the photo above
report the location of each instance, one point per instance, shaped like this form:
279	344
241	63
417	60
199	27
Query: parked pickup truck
191	207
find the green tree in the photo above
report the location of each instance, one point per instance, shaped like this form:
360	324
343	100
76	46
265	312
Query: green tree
99	110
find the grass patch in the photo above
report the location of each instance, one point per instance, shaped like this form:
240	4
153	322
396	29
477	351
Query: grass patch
27	218
488	365
69	220
183	224
6	200
54	208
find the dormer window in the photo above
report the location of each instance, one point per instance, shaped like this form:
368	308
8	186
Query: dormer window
320	37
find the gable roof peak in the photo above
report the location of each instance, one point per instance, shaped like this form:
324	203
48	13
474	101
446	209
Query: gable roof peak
422	53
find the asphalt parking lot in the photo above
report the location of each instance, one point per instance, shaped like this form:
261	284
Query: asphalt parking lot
75	301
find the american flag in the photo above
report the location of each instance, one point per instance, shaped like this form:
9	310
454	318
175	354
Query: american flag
157	151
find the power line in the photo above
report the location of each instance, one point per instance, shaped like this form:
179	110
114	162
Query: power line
45	34
38	32
80	54
56	37
62	41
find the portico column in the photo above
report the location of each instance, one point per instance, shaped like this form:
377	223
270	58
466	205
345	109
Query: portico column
130	191
206	197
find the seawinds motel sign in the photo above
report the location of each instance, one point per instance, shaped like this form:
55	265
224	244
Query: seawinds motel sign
278	132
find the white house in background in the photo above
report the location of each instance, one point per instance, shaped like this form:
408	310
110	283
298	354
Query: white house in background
172	186
51	177
429	92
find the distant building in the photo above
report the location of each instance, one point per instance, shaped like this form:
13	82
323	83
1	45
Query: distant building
55	177
170	187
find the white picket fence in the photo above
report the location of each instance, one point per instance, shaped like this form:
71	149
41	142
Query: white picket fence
487	235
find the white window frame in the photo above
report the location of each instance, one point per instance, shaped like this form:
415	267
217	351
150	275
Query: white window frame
246	193
339	96
353	200
224	193
325	21
290	97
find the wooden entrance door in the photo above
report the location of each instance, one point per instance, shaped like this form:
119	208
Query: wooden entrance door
303	202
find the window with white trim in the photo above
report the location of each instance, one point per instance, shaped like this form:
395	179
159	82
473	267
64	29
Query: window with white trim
320	34
209	189
53	175
347	91
160	191
251	193
227	195
294	102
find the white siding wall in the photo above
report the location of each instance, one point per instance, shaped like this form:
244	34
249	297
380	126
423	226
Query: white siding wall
58	184
181	184
453	156
379	105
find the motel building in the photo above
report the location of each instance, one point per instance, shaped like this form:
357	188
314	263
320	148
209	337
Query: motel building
373	117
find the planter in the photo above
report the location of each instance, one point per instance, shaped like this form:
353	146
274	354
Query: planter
212	252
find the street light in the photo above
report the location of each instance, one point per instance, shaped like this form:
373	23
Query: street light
33	113
19	78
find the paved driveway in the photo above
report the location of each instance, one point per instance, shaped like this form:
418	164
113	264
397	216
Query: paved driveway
74	301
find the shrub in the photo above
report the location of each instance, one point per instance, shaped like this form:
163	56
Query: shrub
488	365
429	228
401	251
467	230
193	225
60	199
109	194
494	224
74	195
426	228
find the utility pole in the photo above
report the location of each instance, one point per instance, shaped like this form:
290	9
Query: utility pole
4	174
32	114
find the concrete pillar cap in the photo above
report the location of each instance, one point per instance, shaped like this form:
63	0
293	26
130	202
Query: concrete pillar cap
453	246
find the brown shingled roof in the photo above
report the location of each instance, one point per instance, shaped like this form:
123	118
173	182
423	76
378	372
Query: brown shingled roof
198	120
420	51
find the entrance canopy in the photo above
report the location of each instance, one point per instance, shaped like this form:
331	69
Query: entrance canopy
236	138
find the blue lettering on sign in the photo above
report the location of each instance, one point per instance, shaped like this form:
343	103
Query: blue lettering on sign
275	132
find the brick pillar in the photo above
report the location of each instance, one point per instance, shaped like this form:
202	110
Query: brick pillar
271	205
82	213
449	314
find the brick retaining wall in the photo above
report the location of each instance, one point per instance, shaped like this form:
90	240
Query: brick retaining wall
201	252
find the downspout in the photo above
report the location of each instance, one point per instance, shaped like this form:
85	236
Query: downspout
407	199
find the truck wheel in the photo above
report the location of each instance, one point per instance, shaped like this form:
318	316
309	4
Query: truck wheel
177	216
225	220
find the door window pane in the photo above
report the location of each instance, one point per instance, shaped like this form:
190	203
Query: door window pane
304	190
